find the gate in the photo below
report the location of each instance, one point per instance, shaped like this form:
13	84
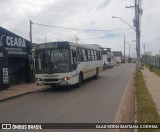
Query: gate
18	70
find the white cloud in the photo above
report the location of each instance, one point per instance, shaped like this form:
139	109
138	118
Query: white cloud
88	14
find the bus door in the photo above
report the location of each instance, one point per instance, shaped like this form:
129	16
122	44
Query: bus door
74	63
82	62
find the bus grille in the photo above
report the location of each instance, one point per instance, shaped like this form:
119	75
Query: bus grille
50	79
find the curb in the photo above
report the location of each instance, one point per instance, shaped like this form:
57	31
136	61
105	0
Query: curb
25	93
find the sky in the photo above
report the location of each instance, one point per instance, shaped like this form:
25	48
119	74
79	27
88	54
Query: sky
90	15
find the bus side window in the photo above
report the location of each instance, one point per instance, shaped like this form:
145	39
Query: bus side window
95	55
73	59
89	55
84	57
98	55
92	55
79	55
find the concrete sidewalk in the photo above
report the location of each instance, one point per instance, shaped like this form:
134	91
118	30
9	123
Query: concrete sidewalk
153	84
20	90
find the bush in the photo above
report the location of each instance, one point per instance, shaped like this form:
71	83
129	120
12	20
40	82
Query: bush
151	68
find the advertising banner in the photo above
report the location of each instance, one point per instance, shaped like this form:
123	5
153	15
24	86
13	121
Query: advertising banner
13	44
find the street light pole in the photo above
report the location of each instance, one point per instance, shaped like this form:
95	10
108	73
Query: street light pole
30	32
33	60
129	26
137	36
124	22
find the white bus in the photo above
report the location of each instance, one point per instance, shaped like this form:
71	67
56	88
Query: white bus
66	63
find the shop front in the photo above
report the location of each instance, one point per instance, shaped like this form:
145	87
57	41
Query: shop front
15	56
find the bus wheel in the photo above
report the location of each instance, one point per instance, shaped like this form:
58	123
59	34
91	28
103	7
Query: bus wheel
97	74
80	79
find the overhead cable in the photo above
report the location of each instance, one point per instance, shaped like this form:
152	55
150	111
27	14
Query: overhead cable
96	30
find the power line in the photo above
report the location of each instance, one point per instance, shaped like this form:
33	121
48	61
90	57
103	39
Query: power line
70	28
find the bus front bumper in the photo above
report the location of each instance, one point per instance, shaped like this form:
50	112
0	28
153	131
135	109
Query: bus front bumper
61	82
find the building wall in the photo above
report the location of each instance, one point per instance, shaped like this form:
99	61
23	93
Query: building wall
14	56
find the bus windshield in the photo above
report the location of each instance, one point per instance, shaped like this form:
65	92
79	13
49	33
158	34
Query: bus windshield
52	61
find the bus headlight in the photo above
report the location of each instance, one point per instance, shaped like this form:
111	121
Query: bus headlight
65	78
39	79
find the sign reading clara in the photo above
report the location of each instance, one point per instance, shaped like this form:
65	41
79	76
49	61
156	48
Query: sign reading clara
15	42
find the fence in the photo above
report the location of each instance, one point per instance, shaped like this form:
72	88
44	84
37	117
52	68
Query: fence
153	60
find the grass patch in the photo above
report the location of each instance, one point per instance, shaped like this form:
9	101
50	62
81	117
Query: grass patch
154	69
146	110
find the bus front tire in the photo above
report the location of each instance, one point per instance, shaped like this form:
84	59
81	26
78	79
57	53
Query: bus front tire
97	74
80	79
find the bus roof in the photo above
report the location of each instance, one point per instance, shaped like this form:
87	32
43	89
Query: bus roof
65	44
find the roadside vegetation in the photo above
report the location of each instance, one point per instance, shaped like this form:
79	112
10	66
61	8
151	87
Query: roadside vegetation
154	69
146	110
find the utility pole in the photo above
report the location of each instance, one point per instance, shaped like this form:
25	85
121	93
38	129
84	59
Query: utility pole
138	13
124	49
33	59
137	26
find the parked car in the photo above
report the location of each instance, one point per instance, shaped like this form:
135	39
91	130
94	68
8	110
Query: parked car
109	65
133	61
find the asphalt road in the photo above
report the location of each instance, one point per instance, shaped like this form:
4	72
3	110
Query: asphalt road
96	101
